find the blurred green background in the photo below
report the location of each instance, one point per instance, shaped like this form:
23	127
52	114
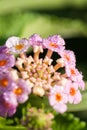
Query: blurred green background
67	18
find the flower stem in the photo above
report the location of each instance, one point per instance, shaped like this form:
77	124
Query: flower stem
49	53
36	55
64	75
57	66
23	55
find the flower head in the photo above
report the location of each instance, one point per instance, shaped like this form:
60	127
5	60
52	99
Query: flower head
38	74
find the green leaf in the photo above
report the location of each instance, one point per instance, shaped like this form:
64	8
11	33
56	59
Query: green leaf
6	124
12	128
27	23
2	121
67	121
55	25
13	24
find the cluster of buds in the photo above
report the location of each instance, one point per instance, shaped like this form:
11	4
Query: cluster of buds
36	119
22	74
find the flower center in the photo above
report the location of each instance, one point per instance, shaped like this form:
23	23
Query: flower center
4	82
67	57
19	46
6	104
58	97
72	91
54	45
18	91
3	62
72	71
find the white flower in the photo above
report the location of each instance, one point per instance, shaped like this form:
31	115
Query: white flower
17	45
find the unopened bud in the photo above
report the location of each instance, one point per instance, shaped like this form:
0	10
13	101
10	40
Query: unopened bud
38	91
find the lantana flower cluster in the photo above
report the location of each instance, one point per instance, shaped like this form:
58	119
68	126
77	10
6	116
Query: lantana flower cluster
22	74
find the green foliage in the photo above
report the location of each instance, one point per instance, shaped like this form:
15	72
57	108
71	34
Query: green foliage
7	124
24	17
55	25
12	128
11	25
25	24
36	118
67	121
60	122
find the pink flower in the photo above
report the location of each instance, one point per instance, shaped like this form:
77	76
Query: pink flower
8	104
54	43
81	84
71	72
6	61
22	91
6	82
74	95
58	99
79	79
4	49
61	108
35	40
68	57
75	76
